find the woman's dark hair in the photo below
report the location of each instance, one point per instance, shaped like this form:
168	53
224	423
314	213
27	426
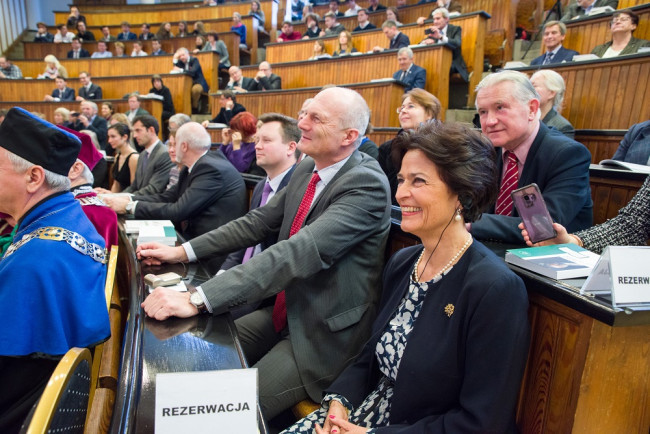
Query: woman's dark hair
213	34
121	129
156	77
107	104
465	160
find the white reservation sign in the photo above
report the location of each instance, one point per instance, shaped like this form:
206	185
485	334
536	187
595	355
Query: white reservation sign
207	402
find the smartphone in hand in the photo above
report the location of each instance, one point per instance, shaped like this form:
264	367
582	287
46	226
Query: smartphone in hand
532	210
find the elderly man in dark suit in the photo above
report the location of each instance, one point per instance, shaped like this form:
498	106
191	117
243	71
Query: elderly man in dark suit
409	73
189	65
266	79
554	33
444	33
239	83
88	120
528	151
582	7
152	172
332	220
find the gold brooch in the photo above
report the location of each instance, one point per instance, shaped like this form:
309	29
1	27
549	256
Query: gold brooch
449	309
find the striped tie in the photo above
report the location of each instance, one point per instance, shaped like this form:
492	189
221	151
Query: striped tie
508	184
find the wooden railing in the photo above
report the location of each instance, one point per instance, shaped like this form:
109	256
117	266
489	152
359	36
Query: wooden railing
387	95
474	29
37	50
112	88
364	68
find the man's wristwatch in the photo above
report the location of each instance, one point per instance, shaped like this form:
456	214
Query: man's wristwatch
197	301
130	207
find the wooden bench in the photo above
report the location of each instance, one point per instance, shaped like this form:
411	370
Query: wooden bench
113	88
364	68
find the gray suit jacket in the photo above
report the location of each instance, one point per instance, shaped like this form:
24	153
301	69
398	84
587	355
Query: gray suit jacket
556	120
331	269
156	177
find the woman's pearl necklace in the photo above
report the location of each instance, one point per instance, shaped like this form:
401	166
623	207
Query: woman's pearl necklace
444	269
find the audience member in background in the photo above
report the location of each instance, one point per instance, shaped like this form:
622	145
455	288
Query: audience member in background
554	34
397	39
409	73
238	143
83	34
81	176
126	158
75	17
353	9
239	83
120	118
120	49
88	90
622	26
239	28
156	48
550	87
319	51
631	227
198	29
53	68
183	29
165	31
367	146
189	65
418	108
42	35
152	173
145	34
106	35
106	110
392	14
635	146
469	380
102	51
100	171
297	7
528	151
62	92
582	7
332	27
158	88
63	35
134	107
334	8
229	108
61	303
275	151
258	14
210	195
126	34
313	31
345	45
444	33
175	122
213	43
137	50
61	117
199	43
450	5
375	6
288	34
77	52
8	70
266	79
89	120
364	23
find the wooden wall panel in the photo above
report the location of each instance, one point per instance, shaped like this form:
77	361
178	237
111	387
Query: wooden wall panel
622	4
387	95
363	68
102	7
112	88
610	195
601	147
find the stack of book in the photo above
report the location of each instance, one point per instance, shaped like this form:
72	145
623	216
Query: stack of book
160	231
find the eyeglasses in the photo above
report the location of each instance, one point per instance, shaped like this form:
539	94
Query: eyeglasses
408	107
621	19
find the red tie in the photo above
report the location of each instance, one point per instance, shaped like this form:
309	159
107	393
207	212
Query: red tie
508	185
280	308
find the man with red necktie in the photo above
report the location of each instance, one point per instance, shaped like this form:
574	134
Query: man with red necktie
529	151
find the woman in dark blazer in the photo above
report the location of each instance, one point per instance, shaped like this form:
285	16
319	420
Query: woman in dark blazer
449	345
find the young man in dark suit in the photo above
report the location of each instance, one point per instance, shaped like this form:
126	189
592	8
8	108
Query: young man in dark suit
397	39
126	34
88	90
62	91
77	52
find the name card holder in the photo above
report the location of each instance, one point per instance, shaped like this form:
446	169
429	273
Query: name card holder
623	271
207	402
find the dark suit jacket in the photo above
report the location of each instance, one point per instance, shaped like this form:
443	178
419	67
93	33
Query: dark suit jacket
212	194
159	53
370	26
575	10
557	121
68	94
454	41
100	127
416	77
562	55
139	112
235	258
130	37
86	36
400	41
156	177
635	146
224	116
247	83
82	53
194	70
330	269
560	167
94	93
273	82
458	373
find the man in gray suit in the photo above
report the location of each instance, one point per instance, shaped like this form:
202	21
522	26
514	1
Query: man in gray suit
329	270
152	173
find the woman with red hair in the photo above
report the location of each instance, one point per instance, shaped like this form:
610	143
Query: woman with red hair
238	143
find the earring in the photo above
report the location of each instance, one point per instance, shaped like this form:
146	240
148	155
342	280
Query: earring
457	217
